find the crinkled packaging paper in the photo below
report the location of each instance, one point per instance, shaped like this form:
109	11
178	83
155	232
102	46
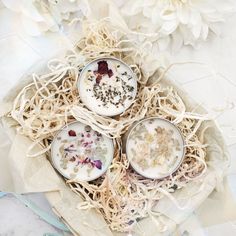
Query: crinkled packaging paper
23	174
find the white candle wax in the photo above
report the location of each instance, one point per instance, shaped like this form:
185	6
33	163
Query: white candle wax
80	153
107	86
155	148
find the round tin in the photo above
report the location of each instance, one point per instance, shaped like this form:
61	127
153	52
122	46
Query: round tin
107	86
80	153
147	144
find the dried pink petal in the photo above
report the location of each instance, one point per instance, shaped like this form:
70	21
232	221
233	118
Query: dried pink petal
98	164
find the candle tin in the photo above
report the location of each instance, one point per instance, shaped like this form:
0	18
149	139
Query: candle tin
107	86
155	147
80	153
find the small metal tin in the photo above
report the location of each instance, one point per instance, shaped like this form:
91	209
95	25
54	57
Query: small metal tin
158	175
92	103
68	150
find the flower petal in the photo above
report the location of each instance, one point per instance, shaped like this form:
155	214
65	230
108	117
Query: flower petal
134	7
163	43
177	40
98	164
147	12
155	16
31	27
14	5
195	17
168	14
204	32
215	28
214	17
187	37
183	14
196	30
30	10
169	27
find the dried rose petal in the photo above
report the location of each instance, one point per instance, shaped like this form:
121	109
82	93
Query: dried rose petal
72	133
102	67
98	164
102	70
110	73
98	79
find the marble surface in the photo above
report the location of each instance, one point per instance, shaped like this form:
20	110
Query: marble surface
16	219
212	85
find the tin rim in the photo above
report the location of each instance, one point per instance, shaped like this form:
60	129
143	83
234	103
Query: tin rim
109	58
180	159
60	172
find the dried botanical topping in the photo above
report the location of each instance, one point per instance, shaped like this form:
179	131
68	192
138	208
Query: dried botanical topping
116	95
87	128
155	149
98	134
102	70
87	144
174	187
69	149
72	133
110	73
86	160
102	67
98	78
98	164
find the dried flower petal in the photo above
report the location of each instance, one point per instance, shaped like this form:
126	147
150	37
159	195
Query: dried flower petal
72	133
98	164
98	79
102	67
110	73
102	70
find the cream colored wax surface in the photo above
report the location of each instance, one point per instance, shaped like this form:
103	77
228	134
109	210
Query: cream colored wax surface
155	148
80	153
107	86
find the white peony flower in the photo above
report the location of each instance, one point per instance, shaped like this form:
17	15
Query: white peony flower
175	22
38	16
